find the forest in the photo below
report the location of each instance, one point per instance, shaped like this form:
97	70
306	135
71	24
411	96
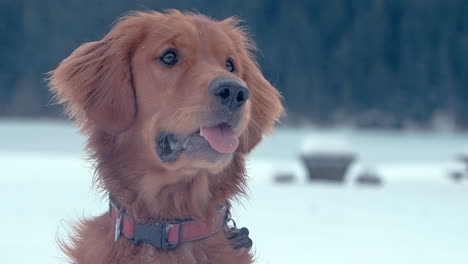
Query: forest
371	63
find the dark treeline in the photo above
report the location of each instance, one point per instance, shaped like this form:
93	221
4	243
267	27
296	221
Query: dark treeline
381	63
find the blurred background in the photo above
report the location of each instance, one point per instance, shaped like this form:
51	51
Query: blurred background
368	166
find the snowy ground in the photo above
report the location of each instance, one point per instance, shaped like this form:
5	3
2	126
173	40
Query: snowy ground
419	214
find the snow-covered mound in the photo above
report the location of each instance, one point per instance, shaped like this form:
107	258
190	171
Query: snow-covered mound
320	144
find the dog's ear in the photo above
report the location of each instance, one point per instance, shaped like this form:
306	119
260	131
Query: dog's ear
266	107
95	81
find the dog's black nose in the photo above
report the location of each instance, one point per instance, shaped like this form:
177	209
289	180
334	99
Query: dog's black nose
229	92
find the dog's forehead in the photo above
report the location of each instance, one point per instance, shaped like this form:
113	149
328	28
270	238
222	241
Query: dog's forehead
207	28
212	36
195	31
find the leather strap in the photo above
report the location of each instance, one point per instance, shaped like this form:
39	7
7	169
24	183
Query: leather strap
164	234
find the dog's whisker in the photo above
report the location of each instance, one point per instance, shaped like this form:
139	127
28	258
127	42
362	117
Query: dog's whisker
173	119
183	113
254	124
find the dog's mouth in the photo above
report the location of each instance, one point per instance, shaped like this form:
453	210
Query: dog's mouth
219	138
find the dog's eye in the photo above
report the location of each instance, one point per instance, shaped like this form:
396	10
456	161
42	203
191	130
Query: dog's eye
169	57
230	65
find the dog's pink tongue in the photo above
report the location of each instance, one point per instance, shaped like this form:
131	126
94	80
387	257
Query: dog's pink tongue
221	139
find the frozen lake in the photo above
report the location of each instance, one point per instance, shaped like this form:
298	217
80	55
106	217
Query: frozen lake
418	215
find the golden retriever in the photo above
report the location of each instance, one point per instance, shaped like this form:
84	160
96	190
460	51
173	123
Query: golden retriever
171	103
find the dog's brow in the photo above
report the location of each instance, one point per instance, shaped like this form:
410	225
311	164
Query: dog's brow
172	37
166	35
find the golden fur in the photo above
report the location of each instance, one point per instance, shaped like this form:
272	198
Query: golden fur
121	98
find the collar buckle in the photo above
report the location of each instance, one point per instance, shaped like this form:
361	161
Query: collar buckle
155	234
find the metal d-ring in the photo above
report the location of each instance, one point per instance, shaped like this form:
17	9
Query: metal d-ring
233	228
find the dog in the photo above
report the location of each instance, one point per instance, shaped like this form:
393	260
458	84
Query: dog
171	103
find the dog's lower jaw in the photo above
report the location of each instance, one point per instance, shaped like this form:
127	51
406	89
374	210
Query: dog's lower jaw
172	148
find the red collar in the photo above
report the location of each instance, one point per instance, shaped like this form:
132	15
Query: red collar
164	234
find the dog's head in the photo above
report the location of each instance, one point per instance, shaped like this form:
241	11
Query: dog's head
181	91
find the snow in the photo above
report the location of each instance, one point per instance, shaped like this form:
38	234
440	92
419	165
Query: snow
325	145
418	215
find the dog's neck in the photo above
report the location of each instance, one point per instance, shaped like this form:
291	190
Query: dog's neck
146	198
